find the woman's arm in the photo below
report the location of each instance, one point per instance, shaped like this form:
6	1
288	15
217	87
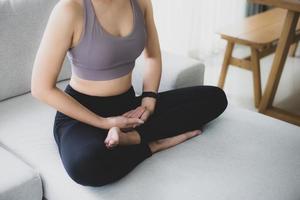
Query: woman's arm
152	55
55	42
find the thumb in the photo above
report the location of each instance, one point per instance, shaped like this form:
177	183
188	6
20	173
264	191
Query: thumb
145	116
135	120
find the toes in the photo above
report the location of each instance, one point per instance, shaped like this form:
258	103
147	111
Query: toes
195	133
192	133
106	140
110	144
198	132
113	143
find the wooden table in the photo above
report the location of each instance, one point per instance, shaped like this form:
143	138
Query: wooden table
286	38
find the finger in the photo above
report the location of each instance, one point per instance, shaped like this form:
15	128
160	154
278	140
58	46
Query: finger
138	124
145	115
127	113
132	114
132	125
138	112
133	121
130	122
144	119
139	109
142	110
124	114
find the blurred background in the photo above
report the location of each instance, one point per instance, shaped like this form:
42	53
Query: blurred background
191	28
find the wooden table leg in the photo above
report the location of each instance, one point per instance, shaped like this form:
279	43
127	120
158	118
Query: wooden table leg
225	65
255	65
293	49
281	53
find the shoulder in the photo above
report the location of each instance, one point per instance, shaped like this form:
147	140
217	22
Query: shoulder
146	6
68	9
65	15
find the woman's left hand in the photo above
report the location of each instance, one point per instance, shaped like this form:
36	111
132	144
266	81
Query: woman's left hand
139	112
144	110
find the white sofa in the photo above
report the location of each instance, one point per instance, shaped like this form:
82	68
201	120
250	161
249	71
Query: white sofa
241	155
18	180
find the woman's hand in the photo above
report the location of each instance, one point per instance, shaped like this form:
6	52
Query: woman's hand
139	112
122	122
149	103
144	110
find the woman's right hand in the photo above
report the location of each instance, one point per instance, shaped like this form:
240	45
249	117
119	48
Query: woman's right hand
122	122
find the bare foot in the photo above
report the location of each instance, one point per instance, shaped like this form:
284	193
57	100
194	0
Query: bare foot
166	143
116	137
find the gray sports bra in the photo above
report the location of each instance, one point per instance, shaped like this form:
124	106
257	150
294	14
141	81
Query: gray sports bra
100	55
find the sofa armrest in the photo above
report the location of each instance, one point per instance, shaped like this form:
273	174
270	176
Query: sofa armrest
177	71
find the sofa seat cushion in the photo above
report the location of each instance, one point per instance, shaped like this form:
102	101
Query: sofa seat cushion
241	155
18	179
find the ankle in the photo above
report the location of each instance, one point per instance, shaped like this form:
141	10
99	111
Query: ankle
135	137
153	147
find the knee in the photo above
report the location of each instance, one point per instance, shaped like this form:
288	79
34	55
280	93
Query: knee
212	94
87	169
220	98
215	97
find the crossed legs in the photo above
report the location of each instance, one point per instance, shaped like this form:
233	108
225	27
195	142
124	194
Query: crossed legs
89	162
181	110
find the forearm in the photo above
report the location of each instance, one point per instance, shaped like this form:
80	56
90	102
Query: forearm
152	74
151	81
66	104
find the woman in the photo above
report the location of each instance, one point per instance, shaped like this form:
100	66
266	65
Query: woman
101	128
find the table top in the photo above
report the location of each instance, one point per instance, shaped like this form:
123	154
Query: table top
293	5
257	30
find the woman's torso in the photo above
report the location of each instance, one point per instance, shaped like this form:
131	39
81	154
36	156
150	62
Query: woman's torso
101	88
118	23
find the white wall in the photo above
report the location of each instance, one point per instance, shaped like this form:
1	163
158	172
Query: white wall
189	27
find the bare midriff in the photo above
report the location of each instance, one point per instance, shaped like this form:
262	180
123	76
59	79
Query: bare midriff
101	88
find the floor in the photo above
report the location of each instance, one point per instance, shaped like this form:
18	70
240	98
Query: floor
239	84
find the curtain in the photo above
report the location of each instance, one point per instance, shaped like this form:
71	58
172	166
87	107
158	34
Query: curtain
189	27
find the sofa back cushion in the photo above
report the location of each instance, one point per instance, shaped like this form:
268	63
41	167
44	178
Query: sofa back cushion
22	24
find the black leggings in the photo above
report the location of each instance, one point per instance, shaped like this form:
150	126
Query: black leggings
81	146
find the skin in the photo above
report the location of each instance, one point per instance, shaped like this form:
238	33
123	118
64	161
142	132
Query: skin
64	27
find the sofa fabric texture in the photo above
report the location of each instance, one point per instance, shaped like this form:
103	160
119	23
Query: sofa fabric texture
22	24
18	179
240	155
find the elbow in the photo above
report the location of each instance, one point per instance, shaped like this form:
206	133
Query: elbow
33	90
37	91
41	93
34	87
35	95
40	89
